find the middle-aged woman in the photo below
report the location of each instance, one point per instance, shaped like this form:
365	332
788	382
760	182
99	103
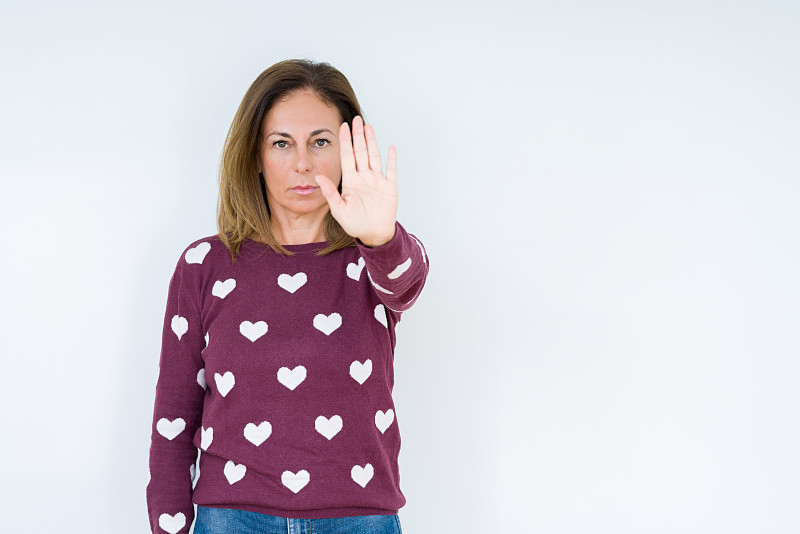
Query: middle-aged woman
279	333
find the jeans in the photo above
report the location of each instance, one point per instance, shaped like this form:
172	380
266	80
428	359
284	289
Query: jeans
230	521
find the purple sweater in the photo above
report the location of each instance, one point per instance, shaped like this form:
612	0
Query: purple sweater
280	370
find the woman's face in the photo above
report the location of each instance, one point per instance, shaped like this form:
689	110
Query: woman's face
299	139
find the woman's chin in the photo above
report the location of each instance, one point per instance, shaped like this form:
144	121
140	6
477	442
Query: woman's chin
305	206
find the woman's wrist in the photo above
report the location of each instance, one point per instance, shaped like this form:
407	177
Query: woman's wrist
377	241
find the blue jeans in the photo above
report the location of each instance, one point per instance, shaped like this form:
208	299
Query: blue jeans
229	521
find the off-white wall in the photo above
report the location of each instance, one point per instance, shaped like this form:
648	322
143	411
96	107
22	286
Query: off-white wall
608	192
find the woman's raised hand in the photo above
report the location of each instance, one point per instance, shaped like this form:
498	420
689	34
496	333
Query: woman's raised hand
367	207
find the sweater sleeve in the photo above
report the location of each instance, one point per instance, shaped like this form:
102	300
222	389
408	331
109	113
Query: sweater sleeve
397	269
178	409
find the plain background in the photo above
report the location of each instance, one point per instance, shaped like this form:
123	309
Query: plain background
609	193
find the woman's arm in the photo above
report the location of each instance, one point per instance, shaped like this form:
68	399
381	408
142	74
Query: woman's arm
367	209
397	269
178	409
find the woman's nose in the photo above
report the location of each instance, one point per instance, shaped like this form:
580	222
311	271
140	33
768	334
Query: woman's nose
303	163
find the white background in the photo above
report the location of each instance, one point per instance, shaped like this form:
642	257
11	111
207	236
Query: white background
609	193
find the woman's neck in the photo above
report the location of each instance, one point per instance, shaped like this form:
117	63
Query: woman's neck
298	231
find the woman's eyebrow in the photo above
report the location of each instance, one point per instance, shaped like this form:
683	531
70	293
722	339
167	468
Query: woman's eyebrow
315	132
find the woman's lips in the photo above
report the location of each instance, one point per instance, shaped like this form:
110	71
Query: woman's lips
304	190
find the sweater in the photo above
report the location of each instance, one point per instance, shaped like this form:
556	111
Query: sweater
279	369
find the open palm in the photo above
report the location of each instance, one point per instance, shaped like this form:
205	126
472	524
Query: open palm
367	206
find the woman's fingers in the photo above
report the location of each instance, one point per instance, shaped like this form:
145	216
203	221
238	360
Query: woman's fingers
360	144
360	152
346	151
373	149
330	193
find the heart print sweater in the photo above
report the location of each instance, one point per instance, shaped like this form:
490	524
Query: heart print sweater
279	369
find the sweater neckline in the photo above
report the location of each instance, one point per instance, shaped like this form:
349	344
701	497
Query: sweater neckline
305	248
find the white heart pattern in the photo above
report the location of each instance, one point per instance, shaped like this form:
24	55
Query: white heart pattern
361	371
206	437
292	283
253	331
295	481
258	434
196	477
201	378
198	253
376	286
400	269
362	475
383	420
424	257
380	315
170	429
328	427
172	523
327	324
354	269
179	325
224	382
221	289
291	378
206	339
234	472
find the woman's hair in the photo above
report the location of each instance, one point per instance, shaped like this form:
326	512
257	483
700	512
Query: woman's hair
242	208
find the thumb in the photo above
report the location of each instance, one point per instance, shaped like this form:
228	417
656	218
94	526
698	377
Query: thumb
330	193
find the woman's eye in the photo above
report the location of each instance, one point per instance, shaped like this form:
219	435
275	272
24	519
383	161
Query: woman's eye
280	144
322	142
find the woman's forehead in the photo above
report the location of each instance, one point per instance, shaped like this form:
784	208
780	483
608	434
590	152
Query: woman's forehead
301	112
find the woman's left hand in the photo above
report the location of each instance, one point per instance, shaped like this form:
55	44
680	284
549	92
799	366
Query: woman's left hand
367	207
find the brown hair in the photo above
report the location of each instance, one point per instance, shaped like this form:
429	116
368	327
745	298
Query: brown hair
242	208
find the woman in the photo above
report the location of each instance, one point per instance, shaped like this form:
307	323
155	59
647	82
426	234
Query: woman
279	332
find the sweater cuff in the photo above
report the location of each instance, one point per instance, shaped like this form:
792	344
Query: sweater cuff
384	259
364	245
394	245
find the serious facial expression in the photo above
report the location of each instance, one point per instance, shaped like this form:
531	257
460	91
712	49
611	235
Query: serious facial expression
299	139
